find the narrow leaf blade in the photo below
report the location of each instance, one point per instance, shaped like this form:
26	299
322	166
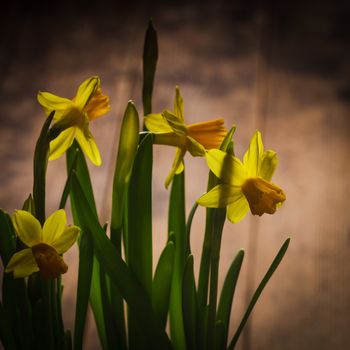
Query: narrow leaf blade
189	305
177	227
162	283
150	57
226	298
139	233
83	290
119	273
258	292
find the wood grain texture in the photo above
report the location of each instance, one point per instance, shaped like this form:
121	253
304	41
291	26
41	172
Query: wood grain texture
279	69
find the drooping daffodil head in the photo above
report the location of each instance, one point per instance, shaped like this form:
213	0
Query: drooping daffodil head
244	185
44	245
72	118
169	128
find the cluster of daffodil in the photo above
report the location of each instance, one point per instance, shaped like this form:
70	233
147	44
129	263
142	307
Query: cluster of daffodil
117	268
244	185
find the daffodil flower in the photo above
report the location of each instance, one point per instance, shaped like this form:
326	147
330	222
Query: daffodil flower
72	118
169	128
244	185
45	244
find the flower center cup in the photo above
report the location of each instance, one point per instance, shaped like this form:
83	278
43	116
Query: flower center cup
50	263
263	196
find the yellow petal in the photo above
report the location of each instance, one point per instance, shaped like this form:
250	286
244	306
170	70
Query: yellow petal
220	196
28	228
22	264
226	167
268	165
86	91
177	166
210	134
176	125
66	239
62	142
54	226
180	168
88	145
156	123
51	102
253	155
179	105
237	210
98	105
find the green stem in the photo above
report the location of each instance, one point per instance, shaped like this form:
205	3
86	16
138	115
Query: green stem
205	263
206	251
219	216
177	227
41	156
59	309
48	336
188	228
54	309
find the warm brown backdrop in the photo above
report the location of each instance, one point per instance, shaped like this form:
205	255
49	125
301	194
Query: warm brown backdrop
282	68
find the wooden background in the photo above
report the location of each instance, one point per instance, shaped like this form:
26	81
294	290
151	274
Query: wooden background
282	68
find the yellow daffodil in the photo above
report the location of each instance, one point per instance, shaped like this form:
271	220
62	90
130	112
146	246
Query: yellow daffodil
45	244
244	185
169	128
72	118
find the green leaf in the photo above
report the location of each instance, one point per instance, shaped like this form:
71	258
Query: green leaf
120	274
41	156
71	166
189	305
76	164
258	292
17	310
45	323
203	326
82	172
5	331
115	339
220	335
162	283
177	226
215	219
96	301
139	234
150	57
68	340
15	307
227	142
203	280
226	299
218	221
58	290
29	205
189	225
140	215
128	142
83	289
112	311
7	238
